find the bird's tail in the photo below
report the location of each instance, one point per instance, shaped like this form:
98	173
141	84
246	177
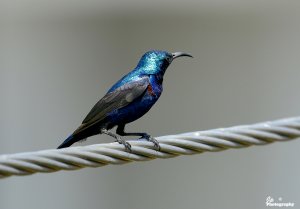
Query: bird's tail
68	142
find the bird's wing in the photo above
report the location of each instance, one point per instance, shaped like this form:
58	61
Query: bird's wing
114	100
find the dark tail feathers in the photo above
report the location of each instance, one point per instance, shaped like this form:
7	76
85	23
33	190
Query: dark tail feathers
68	142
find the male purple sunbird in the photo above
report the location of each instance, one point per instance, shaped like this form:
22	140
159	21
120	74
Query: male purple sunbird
127	100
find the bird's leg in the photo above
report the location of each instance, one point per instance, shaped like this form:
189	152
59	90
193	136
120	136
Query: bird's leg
118	139
121	132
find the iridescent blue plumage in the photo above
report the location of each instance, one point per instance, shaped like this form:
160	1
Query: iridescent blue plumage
127	100
152	62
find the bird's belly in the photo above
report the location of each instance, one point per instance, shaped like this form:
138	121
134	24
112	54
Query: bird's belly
134	110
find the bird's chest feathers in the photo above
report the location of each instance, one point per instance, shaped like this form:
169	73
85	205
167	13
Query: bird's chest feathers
140	106
155	88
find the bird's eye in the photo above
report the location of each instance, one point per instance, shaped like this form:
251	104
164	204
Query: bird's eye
169	59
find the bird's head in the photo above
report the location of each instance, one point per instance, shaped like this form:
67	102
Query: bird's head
155	61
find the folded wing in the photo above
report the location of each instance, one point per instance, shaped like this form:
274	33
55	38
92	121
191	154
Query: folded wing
120	97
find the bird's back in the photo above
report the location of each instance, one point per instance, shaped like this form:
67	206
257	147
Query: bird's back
131	76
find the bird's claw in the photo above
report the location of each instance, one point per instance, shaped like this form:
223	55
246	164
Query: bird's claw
125	143
153	140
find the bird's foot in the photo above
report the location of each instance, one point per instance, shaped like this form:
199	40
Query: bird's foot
118	139
151	139
125	143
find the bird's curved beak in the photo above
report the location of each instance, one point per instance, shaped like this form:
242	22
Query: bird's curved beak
180	54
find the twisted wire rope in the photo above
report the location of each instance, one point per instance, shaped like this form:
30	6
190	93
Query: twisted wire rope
98	155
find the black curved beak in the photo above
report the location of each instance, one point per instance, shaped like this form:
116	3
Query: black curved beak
180	54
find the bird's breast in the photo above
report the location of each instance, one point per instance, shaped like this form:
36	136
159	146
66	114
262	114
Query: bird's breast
138	107
155	87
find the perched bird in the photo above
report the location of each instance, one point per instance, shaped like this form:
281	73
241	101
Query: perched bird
127	100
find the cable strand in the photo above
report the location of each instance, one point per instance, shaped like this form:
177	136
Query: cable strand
98	155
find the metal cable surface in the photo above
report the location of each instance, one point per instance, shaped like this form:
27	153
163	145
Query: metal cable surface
97	155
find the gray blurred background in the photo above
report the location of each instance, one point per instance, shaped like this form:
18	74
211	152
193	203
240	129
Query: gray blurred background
59	57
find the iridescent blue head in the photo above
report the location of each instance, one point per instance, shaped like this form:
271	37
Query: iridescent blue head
153	62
